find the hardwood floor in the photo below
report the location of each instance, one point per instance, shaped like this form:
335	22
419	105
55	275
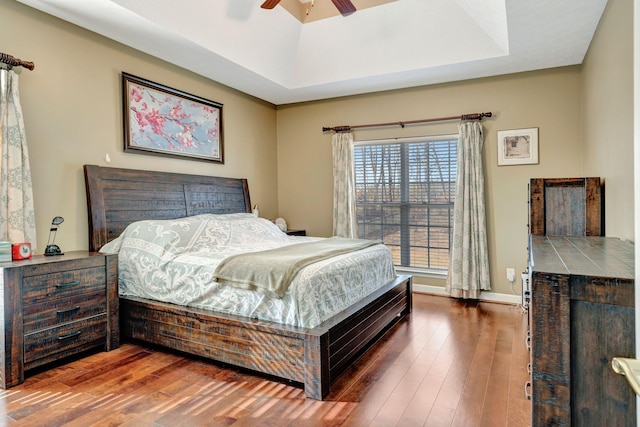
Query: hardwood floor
451	363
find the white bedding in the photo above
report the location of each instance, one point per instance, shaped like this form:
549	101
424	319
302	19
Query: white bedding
174	260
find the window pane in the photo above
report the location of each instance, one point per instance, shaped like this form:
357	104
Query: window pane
441	216
439	259
378	173
404	196
392	235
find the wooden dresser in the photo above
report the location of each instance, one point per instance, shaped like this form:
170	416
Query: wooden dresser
582	315
54	307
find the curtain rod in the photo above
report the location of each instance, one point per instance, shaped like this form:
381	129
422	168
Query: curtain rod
8	59
474	116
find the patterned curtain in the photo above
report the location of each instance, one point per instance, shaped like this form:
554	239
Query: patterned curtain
17	216
344	187
469	259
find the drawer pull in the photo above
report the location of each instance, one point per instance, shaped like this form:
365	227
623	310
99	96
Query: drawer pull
71	335
629	368
66	285
527	390
68	310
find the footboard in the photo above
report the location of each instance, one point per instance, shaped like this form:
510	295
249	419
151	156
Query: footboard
313	357
335	344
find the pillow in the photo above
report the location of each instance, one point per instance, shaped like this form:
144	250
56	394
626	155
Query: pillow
204	232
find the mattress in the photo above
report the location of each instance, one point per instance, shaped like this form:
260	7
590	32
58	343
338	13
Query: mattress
174	261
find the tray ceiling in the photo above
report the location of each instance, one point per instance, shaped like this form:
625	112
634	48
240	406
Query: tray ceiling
277	57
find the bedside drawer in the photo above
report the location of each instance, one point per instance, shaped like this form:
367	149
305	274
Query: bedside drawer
56	307
63	310
69	338
62	284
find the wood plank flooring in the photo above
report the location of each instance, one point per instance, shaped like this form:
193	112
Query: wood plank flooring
451	363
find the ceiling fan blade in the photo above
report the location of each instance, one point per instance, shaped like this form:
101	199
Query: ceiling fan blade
270	4
345	7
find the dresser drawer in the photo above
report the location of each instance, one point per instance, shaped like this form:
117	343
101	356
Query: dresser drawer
63	310
68	338
62	284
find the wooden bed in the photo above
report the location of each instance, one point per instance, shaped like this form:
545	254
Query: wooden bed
312	357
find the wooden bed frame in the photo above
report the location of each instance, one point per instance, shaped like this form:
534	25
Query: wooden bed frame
313	357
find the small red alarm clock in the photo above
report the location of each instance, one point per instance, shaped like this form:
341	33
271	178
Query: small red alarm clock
20	251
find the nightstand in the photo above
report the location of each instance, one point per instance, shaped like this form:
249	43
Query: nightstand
54	307
296	232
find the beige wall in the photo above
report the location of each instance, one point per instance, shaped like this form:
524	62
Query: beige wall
584	115
548	100
607	109
73	115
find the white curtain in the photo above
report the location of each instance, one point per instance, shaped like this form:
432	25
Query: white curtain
344	195
17	216
469	259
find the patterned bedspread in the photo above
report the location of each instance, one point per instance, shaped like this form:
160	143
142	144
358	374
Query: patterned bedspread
174	261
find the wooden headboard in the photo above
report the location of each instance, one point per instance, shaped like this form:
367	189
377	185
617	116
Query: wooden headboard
118	197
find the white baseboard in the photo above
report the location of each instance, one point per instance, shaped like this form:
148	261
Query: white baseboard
484	296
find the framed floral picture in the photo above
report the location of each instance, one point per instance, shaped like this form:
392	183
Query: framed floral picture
518	147
159	120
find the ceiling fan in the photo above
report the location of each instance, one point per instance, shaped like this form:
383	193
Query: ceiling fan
345	7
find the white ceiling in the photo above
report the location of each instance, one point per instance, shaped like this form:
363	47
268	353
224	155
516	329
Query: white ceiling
273	56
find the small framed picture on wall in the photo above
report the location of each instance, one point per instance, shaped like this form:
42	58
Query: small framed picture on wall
518	147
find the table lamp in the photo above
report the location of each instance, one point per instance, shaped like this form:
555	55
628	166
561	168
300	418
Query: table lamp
52	249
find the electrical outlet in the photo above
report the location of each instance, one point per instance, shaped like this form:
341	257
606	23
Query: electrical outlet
511	274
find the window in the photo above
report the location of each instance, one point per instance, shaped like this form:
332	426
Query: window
405	190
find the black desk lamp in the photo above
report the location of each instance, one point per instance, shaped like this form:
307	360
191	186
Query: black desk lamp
52	249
